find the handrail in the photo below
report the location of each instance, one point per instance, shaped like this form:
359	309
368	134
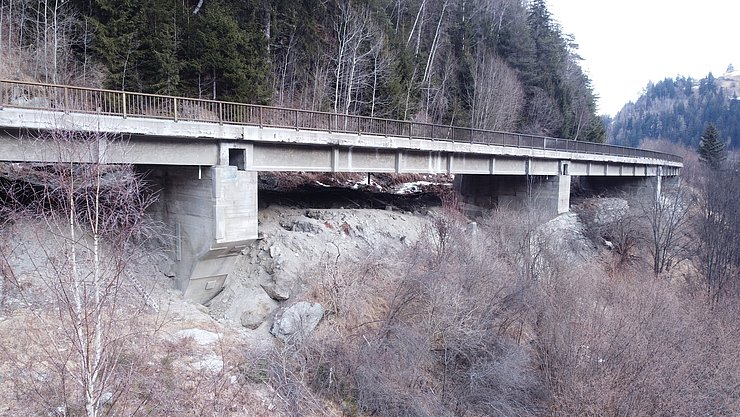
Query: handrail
65	98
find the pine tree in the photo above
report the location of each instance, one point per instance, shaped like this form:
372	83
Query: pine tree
711	150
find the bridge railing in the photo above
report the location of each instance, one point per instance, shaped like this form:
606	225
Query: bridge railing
70	99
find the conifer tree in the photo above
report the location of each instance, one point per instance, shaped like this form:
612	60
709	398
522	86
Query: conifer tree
711	150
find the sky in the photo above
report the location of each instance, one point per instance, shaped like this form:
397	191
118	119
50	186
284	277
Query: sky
627	43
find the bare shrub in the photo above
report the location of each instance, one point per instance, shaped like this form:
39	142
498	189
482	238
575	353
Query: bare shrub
611	223
629	346
425	333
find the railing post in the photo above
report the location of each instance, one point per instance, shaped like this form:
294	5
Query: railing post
260	113
66	100
174	107
220	112
124	104
296	120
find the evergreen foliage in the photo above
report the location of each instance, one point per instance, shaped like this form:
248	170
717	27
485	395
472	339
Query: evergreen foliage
411	59
679	110
711	150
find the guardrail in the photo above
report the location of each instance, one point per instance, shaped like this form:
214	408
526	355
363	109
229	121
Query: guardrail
70	99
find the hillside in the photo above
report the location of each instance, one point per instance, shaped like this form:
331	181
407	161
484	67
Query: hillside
405	326
678	110
492	64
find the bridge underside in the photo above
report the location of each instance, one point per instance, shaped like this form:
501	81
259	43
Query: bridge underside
209	187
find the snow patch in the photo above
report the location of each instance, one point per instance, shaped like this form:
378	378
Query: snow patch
412	187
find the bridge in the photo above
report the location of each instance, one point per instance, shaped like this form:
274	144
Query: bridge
205	156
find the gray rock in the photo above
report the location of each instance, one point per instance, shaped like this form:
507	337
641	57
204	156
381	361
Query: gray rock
200	336
106	398
255	306
306	226
248	306
298	321
255	316
609	210
276	291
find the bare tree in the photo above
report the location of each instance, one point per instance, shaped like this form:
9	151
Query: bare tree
667	218
719	231
36	39
95	215
498	97
357	59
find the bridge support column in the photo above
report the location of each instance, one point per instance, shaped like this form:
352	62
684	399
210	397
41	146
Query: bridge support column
637	186
550	193
212	212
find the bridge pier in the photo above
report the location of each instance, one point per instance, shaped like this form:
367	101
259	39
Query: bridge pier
652	185
212	213
550	193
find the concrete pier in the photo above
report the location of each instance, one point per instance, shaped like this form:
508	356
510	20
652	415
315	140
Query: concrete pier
548	189
212	212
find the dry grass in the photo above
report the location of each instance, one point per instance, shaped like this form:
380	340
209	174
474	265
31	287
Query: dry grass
502	324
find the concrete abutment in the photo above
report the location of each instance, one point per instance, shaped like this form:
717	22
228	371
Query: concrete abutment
212	215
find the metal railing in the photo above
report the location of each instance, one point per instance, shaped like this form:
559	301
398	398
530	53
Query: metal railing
70	99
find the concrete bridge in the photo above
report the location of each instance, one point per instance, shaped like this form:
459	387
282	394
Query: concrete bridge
205	155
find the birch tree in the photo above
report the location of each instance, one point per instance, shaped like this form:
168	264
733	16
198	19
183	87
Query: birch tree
357	57
95	215
498	97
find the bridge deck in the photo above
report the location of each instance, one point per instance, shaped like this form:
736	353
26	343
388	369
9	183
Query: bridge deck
166	130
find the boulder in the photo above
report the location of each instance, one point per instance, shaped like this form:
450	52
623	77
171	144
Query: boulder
276	290
254	316
248	306
298	321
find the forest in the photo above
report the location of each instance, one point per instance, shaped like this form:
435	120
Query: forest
679	110
493	64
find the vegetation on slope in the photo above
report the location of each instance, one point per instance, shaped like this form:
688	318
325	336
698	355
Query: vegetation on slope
493	64
679	110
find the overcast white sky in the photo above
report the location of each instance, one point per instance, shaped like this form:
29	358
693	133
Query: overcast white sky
627	43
